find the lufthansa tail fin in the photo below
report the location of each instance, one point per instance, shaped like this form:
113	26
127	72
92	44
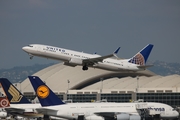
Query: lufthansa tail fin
12	93
44	93
141	57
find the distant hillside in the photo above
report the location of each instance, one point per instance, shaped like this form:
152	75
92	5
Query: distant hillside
164	68
20	73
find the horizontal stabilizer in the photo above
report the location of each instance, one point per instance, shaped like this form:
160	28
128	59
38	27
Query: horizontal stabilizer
144	66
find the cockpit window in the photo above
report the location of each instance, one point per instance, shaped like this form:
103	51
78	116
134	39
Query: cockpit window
173	109
30	45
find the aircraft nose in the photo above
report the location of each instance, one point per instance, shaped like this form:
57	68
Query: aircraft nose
24	48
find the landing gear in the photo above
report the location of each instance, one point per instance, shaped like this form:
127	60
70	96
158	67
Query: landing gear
84	67
31	57
81	117
46	117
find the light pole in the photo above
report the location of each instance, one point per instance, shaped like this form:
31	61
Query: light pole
68	81
20	86
101	85
137	88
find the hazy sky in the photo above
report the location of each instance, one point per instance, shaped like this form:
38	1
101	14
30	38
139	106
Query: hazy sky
90	26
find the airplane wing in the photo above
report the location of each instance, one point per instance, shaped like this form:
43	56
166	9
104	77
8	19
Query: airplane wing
110	115
107	115
45	110
92	61
14	110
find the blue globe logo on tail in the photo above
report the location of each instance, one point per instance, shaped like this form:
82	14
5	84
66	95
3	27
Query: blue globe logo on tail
141	57
138	59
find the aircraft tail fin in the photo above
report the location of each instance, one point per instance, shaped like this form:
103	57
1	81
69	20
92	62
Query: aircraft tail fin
12	93
141	57
44	93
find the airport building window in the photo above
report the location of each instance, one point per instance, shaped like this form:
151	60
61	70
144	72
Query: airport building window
116	97
172	99
81	97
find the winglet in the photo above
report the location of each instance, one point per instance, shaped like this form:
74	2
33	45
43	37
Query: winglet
13	94
141	57
117	50
44	93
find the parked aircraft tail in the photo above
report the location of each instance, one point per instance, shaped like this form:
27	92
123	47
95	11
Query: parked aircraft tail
141	57
12	93
44	93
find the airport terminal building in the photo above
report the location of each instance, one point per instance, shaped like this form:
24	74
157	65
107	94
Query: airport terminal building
95	84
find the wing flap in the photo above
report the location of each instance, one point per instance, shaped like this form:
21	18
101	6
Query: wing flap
92	61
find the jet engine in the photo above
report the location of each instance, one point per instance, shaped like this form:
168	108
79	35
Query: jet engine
94	117
135	117
123	116
128	117
3	114
75	61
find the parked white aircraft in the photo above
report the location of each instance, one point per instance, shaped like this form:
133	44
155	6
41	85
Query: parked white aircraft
108	62
53	106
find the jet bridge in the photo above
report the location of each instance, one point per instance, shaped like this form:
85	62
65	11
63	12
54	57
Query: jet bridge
146	112
142	109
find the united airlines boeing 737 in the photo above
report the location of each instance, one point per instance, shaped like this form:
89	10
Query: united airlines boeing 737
53	106
74	58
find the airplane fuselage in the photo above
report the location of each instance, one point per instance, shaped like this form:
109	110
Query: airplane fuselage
71	58
95	110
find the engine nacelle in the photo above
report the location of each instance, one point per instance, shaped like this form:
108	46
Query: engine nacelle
94	117
128	117
135	117
3	114
75	61
123	117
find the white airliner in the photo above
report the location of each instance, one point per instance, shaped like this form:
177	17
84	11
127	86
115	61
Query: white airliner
53	106
108	62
